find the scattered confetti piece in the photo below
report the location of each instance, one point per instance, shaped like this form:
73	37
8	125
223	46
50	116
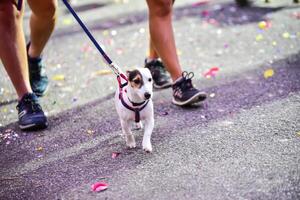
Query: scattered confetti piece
67	21
8	135
199	3
115	154
142	30
268	73
274	43
179	53
58	77
163	113
286	35
39	148
90	132
113	32
296	15
211	72
212	95
264	24
205	13
213	22
99	186
74	99
102	72
259	37
105	33
119	51
86	48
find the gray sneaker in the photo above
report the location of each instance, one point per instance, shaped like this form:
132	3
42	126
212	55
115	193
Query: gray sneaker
37	75
159	74
184	92
31	115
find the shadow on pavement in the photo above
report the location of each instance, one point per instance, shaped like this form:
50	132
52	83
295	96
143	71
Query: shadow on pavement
59	174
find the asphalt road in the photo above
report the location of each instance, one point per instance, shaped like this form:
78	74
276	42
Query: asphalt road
242	143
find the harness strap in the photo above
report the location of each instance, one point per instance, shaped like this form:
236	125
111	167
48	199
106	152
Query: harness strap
135	110
121	85
136	104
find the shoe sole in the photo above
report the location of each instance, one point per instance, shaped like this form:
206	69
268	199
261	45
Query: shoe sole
33	127
201	96
167	85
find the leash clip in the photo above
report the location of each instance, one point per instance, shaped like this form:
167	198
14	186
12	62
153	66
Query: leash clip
121	77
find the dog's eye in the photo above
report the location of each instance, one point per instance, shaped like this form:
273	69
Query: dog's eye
137	81
149	79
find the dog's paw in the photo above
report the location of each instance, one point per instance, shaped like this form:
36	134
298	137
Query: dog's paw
147	148
130	141
137	126
131	145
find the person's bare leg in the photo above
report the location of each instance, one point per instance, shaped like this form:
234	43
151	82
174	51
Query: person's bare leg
42	24
162	37
152	51
12	47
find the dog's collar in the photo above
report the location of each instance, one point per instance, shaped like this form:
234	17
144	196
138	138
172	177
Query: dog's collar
135	110
136	104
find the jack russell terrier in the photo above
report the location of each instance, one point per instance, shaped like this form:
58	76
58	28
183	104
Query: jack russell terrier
134	103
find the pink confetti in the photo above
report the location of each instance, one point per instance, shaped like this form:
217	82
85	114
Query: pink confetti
296	15
115	154
200	3
268	24
205	13
86	48
211	72
213	22
119	51
99	186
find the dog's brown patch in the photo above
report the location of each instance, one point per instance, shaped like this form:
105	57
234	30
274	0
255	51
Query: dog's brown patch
135	78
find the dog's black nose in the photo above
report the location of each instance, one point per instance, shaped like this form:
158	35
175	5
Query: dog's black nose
147	95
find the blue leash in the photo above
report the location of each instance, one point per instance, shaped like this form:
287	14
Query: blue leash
19	4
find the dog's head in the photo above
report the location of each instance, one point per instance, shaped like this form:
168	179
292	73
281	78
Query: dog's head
140	80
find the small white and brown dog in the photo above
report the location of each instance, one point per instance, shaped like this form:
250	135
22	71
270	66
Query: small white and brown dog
134	103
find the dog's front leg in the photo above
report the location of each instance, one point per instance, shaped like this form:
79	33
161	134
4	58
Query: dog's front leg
126	128
149	124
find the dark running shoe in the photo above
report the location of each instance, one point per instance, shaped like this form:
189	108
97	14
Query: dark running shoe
184	92
31	115
159	74
37	75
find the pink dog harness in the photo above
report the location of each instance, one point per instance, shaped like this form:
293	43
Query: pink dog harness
136	110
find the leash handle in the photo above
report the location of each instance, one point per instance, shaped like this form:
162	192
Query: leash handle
86	30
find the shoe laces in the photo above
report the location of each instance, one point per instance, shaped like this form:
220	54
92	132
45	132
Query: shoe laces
30	104
186	83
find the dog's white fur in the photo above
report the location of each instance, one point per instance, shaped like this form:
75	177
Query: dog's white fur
127	117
